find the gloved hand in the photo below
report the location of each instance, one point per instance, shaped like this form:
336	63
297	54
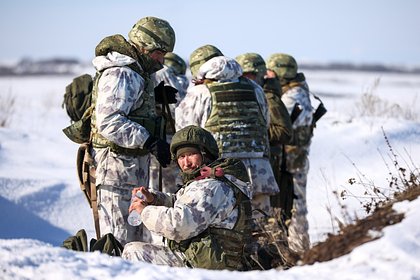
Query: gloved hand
161	90
160	149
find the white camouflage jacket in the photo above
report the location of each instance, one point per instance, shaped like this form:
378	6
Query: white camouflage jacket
299	94
195	108
195	207
120	91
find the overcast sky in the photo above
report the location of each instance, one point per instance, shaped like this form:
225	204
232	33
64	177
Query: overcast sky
358	31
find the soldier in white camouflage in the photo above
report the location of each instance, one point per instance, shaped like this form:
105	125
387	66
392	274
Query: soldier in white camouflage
206	223
179	68
234	109
125	126
296	97
279	133
254	68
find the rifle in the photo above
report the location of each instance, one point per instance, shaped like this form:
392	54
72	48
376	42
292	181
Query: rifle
319	111
166	112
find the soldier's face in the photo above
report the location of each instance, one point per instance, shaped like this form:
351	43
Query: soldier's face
190	161
158	56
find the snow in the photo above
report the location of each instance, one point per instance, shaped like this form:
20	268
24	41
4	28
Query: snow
41	203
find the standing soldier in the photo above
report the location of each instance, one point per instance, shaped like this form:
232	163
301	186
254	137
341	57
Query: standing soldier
125	127
280	131
179	68
296	97
234	109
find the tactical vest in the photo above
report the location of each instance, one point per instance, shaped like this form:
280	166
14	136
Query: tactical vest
220	248
143	114
236	120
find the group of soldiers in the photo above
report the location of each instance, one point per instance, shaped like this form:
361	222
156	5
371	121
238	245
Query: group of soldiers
235	129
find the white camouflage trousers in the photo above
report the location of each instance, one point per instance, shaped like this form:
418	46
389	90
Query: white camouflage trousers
113	204
298	228
152	253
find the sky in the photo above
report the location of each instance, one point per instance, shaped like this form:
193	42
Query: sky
41	202
357	31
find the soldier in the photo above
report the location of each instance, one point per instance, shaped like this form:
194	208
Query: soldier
125	128
172	75
179	68
296	97
234	109
280	131
206	223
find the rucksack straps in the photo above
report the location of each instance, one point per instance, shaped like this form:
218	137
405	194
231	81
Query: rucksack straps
86	173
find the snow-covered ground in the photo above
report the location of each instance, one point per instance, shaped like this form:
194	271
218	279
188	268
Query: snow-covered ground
41	203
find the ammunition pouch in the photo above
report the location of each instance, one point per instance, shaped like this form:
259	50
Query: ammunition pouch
79	131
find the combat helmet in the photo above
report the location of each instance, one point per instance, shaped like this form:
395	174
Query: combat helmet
201	55
197	137
251	62
153	33
176	63
283	65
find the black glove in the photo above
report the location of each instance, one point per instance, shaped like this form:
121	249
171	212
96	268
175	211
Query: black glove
161	90
160	149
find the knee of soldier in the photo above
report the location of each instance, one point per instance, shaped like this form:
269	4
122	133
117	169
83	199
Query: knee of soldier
130	250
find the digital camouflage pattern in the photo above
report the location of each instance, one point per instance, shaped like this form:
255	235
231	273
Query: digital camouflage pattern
253	66
120	91
280	130
153	33
252	62
199	205
202	54
197	136
236	120
195	109
283	65
297	159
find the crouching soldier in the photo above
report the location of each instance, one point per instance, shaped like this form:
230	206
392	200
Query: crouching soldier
206	224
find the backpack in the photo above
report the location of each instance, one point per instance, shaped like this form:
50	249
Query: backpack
78	96
106	244
77	102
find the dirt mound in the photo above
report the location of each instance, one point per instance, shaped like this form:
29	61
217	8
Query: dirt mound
364	230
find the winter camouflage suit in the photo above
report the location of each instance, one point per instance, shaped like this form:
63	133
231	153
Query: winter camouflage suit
296	91
120	91
198	207
196	109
